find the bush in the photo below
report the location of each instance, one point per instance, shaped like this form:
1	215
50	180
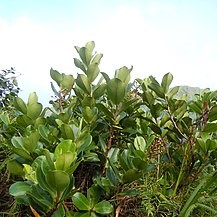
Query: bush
103	138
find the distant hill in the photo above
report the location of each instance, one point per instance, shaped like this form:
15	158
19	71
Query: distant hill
188	91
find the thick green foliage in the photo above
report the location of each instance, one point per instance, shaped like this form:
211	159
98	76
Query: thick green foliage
99	138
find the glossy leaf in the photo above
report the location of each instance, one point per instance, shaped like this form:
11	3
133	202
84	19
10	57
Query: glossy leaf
60	212
106	77
166	81
123	74
19	189
103	208
80	201
97	58
155	86
131	175
155	128
67	83
30	142
34	108
56	76
173	92
65	160
5	119
92	71
116	90
93	194
15	168
139	143
20	105
58	180
213	113
99	91
83	82
63	147
79	64
67	132
43	131
113	178
211	127
23	153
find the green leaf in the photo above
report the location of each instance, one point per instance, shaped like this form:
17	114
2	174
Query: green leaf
124	160
139	164
44	132
99	91
155	129
58	180
165	118
54	90
22	153
97	58
195	107
131	175
155	86
79	65
64	147
48	158
56	76
123	74
139	143
116	90
24	120
17	142
83	82
173	92
210	127
93	194
40	199
92	71
166	81
30	142
148	97
103	208
105	110
5	119
65	160
67	132
20	105
90	45
72	168
80	201
90	115
67	83
211	145
15	168
33	107
106	77
113	178
33	98
60	212
213	113
19	189
83	214
43	183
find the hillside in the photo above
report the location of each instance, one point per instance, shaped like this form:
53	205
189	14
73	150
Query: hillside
189	91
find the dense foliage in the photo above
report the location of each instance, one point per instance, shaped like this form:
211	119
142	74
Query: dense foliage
108	147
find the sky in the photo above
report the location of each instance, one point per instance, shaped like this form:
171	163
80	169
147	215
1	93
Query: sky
153	36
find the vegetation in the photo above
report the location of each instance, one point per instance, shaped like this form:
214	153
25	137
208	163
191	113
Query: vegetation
108	147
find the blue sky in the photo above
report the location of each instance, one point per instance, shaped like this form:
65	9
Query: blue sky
155	36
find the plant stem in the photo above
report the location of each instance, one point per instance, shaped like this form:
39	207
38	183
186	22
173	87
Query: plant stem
181	170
